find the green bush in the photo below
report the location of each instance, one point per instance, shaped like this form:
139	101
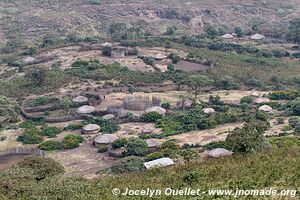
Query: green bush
128	164
136	147
30	136
72	141
51	132
285	142
246	99
41	167
50	145
73	127
154	156
280	120
106	125
102	149
166	105
151	117
118	143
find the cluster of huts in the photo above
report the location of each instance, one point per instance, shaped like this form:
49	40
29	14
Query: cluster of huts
255	36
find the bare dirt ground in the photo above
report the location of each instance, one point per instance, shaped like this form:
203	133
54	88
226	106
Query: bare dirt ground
11	139
84	160
128	130
190	67
10	160
205	136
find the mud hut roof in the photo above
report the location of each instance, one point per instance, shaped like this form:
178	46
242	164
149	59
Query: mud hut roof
157	109
265	108
160	56
208	110
262	100
227	36
86	109
29	59
108	116
257	36
80	99
107	44
91	127
161	162
219	152
105	139
152	143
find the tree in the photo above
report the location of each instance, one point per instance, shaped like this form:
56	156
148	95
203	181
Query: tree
118	143
196	82
211	31
151	117
72	141
238	31
66	103
295	106
136	147
30	136
293	33
50	145
246	139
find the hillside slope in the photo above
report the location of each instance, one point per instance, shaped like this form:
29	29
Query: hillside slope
31	19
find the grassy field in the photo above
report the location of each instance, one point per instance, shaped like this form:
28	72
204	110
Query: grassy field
277	169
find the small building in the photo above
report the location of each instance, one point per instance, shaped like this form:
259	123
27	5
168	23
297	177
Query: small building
85	109
80	99
161	162
147	131
261	100
108	116
160	56
257	36
227	36
208	110
152	143
265	108
219	152
117	153
106	44
90	129
117	53
158	109
104	140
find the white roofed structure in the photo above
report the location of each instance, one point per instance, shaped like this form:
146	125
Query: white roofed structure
227	36
219	152
86	109
161	162
158	109
265	108
80	99
257	36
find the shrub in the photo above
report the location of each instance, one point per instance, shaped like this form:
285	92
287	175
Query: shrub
102	149
30	136
118	143
72	141
51	132
166	105
136	147
189	154
261	115
154	156
246	99
128	164
106	125
294	120
151	117
175	59
50	145
285	142
41	167
73	127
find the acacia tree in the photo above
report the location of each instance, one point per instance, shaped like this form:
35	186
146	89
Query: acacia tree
294	31
196	82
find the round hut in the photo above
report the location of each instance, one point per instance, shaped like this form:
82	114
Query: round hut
104	140
90	129
265	108
257	36
218	152
208	110
80	99
152	143
157	109
86	109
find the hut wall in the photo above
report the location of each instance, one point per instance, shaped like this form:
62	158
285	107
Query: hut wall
22	151
117	54
139	103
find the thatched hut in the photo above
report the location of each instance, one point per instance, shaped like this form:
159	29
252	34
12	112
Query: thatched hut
108	116
208	110
80	100
160	56
140	102
29	60
219	152
227	36
104	140
152	143
261	100
158	109
86	109
265	108
90	129
257	36
117	153
161	162
118	53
